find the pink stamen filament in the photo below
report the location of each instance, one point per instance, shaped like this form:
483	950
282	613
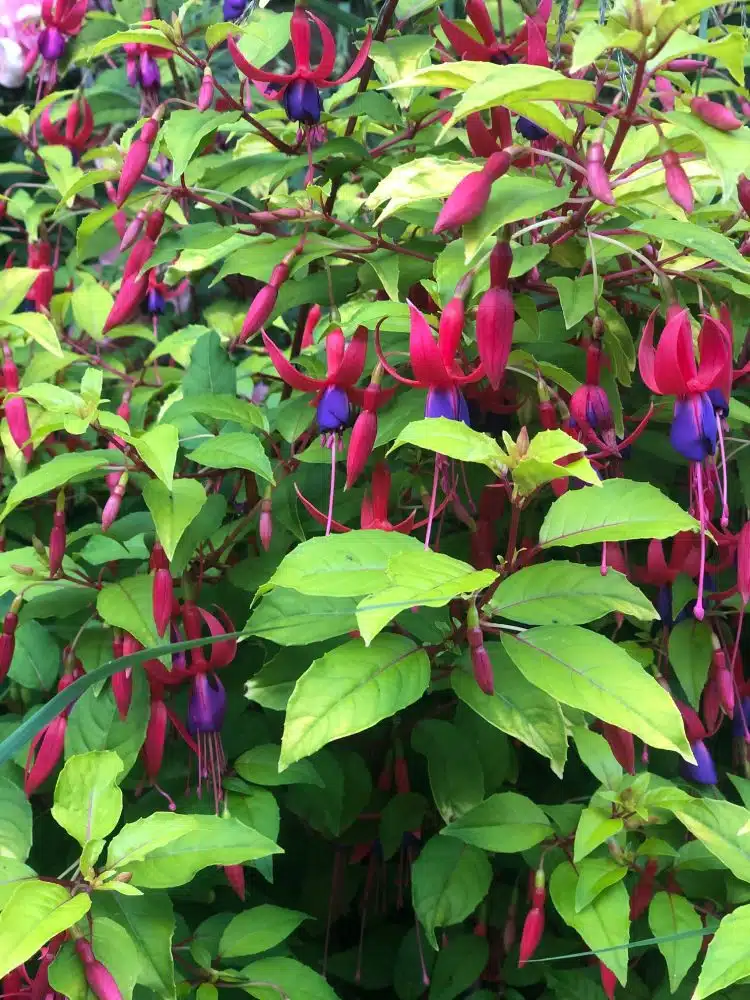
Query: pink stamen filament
723	487
332	488
699	611
433	498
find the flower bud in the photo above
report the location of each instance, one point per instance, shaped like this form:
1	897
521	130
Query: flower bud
678	183
156	732
501	261
743	193
596	174
163	592
482	668
206	92
133	230
644	890
361	443
311	321
136	160
531	935
466	201
265	524
609	980
100	979
112	506
718	116
44	754
57	540
259	312
236	878
665	93
494	326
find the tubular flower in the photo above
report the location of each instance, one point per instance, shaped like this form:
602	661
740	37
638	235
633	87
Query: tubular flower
703	772
46	748
471	194
299	91
671	369
142	66
61	19
527	43
495	317
206	710
79	125
435	369
335	393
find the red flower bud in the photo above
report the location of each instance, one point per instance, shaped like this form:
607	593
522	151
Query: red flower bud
466	201
133	230
17	416
743	193
57	540
609	980
100	979
596	174
127	302
265	524
482	667
501	261
122	686
719	116
206	92
163	592
312	320
44	754
665	93
494	327
678	183
236	878
156	732
259	312
644	890
622	745
361	443
136	160
112	506
531	935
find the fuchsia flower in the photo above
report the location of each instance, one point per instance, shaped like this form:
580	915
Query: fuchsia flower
435	368
531	37
19	36
62	19
77	131
46	749
336	392
300	91
671	369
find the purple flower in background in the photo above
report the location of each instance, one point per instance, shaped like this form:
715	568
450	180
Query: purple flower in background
703	772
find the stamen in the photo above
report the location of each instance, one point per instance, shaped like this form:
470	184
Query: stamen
332	489
433	498
723	487
699	612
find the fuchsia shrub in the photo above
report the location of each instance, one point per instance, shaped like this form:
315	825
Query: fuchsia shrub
374	497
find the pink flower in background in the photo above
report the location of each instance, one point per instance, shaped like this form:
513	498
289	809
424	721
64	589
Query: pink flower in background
20	24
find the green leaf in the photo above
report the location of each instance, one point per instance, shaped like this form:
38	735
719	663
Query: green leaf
567	593
453	439
165	849
35	913
585	670
517	707
283	619
720	828
449	880
670	915
91	304
604	923
149	921
35	658
678	13
594	827
539	464
700	239
258	929
210	369
95	723
455	771
144	36
158	449
59	471
113	947
594	876
398	58
595	39
458	967
401	814
219	409
234	450
597	755
292	978
352	688
620	510
185	130
128	604
727	960
576	297
88	800
15	821
690	652
15	282
173	510
426	578
264	34
506	823
349	565
40	329
260	766
12	873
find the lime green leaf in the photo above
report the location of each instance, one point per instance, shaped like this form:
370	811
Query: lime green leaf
264	34
727	960
690	652
166	849
88	801
700	239
258	929
143	36
506	823
597	755
15	282
604	923
283	619
39	328
594	876
260	766
91	304
594	827
678	13
517	707
185	130
218	408
729	49
538	465
670	915
349	565
235	450
35	913
149	921
399	57
128	604
158	449
428	177
595	39
295	980
15	821
620	510
173	510
576	297
59	471
454	439
449	880
350	689
12	874
720	827
565	593
585	670
454	767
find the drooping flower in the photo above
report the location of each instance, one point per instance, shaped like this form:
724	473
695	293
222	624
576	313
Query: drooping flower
62	19
300	91
79	125
206	710
703	772
471	194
